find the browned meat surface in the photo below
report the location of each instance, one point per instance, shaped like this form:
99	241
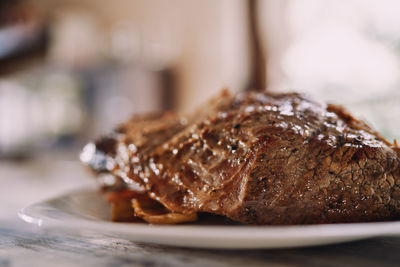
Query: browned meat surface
258	158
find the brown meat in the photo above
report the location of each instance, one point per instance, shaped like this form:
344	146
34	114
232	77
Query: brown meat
260	158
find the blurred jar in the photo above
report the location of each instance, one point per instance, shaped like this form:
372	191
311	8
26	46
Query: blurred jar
39	110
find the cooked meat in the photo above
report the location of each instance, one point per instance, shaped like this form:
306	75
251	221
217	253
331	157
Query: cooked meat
153	212
258	158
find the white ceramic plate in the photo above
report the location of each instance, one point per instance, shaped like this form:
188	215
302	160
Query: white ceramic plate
87	210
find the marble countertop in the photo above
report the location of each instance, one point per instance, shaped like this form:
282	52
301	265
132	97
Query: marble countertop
23	245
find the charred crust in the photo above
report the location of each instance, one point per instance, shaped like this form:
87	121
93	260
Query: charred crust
107	145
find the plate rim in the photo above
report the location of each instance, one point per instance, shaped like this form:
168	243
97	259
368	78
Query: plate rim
247	236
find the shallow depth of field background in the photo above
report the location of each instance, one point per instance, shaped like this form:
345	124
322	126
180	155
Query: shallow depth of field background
72	70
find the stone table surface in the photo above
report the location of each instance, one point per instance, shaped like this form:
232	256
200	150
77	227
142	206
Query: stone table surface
21	244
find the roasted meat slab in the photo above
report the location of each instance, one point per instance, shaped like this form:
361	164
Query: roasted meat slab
256	158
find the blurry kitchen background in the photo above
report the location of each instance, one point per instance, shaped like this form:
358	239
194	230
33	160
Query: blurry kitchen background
72	70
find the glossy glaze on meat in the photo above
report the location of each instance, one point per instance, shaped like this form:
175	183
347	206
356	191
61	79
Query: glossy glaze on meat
259	158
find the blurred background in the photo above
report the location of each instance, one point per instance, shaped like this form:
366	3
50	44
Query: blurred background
72	70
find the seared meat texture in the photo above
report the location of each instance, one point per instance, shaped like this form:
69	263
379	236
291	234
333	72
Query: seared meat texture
258	158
